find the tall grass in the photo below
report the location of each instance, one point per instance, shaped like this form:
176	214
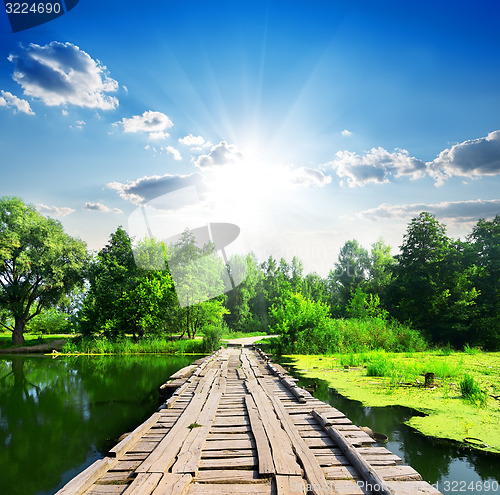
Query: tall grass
351	335
471	391
103	345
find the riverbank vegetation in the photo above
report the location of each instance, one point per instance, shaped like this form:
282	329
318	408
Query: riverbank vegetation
436	291
462	403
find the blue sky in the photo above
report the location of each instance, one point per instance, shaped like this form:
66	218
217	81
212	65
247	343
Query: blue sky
306	123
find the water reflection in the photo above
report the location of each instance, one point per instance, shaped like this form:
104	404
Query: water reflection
438	462
59	415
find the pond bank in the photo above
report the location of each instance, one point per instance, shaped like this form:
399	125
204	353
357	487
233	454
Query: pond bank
446	414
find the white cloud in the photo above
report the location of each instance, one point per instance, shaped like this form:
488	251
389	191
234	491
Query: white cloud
62	74
55	211
158	136
346	133
174	152
221	154
473	158
8	100
78	124
458	211
307	177
154	123
196	143
376	166
101	208
147	188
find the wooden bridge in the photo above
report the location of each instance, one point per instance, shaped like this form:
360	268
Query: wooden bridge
237	424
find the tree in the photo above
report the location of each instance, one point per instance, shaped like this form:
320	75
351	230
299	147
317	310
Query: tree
128	293
485	250
381	268
432	285
314	287
111	274
351	269
39	263
198	275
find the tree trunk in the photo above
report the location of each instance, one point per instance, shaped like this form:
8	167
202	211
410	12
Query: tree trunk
17	335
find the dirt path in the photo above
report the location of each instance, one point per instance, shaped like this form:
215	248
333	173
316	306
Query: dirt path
248	340
55	345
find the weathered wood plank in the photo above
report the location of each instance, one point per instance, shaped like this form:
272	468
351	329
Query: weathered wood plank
119	449
229	489
173	484
229	444
82	482
228	462
144	484
209	454
290	485
163	456
190	453
266	464
357	461
228	476
282	450
312	469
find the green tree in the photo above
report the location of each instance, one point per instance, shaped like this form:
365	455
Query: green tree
39	263
351	269
365	305
111	274
198	275
315	287
297	320
485	251
381	268
239	299
432	285
128	292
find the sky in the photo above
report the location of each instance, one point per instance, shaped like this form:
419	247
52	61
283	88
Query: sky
304	123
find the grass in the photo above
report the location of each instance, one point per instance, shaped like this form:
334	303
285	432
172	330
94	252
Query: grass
471	391
153	345
464	401
349	336
30	339
240	335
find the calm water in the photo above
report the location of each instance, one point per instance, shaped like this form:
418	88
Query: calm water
57	416
451	469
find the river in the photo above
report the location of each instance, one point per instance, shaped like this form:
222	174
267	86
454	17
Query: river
451	469
59	415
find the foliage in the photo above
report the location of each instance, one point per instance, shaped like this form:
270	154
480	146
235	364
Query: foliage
485	248
39	263
445	414
351	269
434	282
212	336
51	321
363	305
126	345
306	328
471	391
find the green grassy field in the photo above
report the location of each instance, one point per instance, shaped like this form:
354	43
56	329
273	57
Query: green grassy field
30	339
463	405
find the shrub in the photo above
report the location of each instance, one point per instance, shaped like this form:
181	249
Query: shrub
379	365
212	337
50	321
471	391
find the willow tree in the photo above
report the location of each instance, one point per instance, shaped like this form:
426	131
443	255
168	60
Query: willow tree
39	263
